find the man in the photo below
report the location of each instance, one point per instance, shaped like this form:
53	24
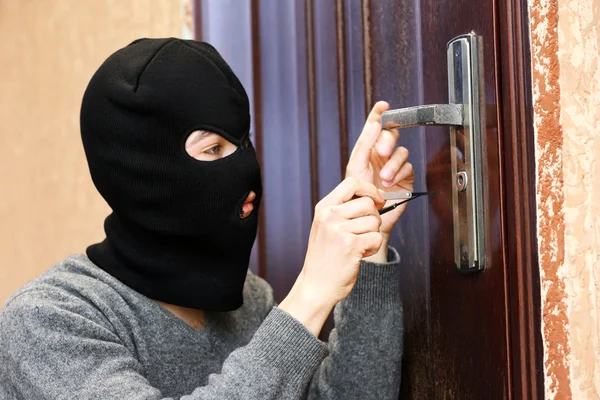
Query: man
165	306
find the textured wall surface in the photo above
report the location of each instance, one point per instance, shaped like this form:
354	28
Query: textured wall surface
50	49
566	75
579	45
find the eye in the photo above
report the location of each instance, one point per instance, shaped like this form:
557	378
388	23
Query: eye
208	146
214	150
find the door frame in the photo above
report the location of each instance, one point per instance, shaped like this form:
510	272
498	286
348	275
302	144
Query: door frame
520	219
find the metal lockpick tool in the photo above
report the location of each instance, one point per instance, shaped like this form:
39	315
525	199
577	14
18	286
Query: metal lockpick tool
404	196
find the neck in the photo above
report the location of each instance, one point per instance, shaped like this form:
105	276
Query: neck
191	316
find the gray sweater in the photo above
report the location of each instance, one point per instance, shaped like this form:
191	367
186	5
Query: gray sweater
75	332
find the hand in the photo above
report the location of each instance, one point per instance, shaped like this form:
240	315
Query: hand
345	229
374	160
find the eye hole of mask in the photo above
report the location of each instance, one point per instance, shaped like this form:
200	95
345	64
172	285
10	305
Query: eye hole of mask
208	146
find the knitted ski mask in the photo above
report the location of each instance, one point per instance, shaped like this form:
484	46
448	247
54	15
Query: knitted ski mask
175	233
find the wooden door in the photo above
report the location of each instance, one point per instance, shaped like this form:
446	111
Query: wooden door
456	324
314	70
460	328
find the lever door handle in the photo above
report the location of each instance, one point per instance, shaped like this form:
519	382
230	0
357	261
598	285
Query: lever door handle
465	114
433	114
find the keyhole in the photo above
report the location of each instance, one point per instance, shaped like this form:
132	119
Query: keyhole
461	181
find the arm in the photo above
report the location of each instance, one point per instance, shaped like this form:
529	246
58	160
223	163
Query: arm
366	344
54	342
57	345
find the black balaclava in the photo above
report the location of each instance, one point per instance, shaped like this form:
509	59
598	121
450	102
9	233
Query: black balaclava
175	233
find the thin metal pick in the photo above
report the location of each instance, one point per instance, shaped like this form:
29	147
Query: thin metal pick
414	195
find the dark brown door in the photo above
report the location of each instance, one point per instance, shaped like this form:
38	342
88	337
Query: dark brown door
456	344
313	69
458	327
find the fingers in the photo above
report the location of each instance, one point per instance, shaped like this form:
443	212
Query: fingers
393	166
387	142
357	226
361	153
361	207
377	110
406	174
371	242
359	158
350	188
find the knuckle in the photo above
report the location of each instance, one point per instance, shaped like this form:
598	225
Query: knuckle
336	229
318	208
349	241
376	221
352	183
370	225
324	213
328	213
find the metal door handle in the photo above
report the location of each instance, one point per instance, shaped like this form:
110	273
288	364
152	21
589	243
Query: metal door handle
465	114
433	114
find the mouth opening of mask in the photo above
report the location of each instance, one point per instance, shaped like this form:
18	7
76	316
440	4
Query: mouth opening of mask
246	208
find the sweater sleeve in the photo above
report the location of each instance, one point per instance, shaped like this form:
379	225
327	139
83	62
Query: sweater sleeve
366	344
56	346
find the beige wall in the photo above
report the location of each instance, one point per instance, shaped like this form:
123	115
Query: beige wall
48	52
566	74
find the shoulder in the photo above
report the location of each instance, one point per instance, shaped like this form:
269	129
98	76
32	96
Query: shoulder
58	326
48	314
70	292
258	293
75	273
75	277
255	284
73	284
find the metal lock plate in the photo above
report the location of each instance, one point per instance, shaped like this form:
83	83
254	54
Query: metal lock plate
465	114
465	87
